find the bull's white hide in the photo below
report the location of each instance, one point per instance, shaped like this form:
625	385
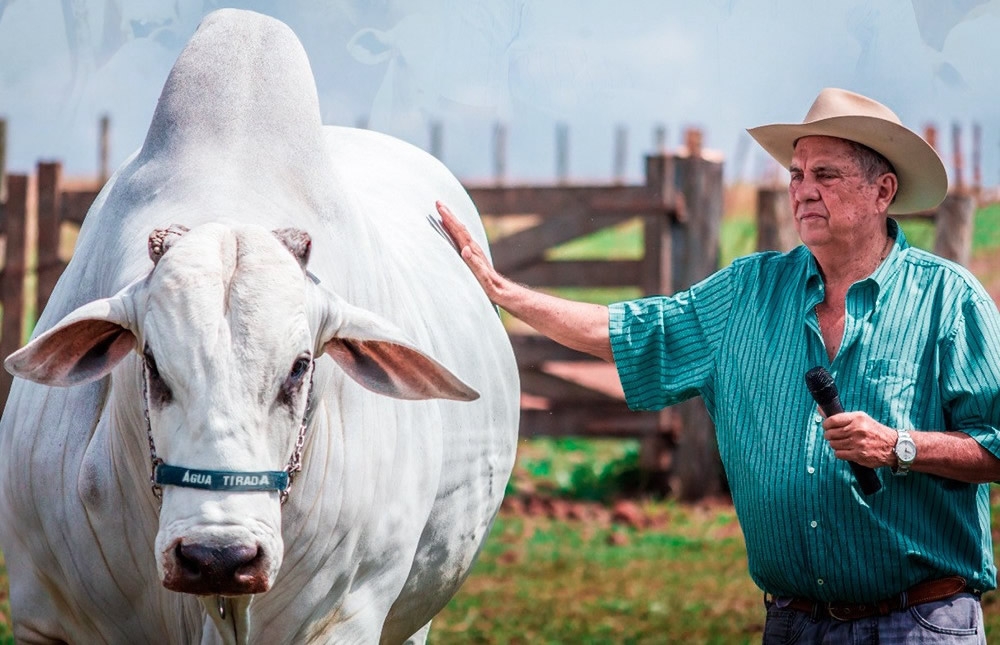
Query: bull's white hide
395	497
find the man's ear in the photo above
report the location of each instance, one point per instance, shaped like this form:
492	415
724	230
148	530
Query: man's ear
888	185
82	347
375	354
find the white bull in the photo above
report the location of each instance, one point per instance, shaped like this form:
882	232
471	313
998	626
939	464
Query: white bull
218	334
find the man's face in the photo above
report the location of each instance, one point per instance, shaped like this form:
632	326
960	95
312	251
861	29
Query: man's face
832	201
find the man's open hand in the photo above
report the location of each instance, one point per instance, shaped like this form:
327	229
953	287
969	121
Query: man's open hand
857	437
491	281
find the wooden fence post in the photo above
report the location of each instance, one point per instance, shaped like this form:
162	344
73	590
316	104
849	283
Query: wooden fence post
3	161
49	218
562	153
775	224
953	228
437	140
499	153
618	168
697	468
657	279
104	149
12	283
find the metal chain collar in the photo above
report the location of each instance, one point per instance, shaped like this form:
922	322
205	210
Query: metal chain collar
293	466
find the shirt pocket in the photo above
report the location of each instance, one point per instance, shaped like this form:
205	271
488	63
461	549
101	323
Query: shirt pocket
890	387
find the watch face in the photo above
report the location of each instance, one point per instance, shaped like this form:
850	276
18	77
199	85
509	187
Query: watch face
906	451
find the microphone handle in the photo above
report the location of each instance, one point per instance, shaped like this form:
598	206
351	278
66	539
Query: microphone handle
866	477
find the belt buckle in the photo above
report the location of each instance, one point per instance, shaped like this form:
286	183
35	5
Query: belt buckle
845	614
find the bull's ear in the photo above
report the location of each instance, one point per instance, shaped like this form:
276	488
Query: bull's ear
375	354
82	347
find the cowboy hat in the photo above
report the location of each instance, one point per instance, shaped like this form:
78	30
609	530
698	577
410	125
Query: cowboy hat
923	181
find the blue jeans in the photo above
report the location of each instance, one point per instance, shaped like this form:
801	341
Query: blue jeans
958	619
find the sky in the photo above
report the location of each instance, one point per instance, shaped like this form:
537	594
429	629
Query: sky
400	66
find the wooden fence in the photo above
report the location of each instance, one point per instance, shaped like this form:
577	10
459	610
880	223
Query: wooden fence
30	226
680	207
57	204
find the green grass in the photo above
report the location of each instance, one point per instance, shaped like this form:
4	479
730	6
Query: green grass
544	581
986	232
540	580
597	470
621	242
737	238
6	635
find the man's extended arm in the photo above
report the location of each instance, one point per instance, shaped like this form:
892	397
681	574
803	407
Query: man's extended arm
577	325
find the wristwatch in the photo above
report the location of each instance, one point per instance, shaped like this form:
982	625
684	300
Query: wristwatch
906	452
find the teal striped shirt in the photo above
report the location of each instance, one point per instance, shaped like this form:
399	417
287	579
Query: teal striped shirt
921	350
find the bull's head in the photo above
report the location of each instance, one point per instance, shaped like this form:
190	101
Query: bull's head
228	324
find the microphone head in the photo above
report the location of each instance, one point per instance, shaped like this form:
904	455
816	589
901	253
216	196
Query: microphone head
821	386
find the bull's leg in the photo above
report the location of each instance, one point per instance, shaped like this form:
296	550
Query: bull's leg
420	637
35	614
27	635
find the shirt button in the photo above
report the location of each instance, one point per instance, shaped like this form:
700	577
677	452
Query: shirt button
818	418
819	581
813	524
810	470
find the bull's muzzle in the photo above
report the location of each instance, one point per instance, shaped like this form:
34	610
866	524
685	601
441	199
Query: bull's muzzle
232	570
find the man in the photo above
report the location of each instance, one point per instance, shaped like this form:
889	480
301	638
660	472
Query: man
913	343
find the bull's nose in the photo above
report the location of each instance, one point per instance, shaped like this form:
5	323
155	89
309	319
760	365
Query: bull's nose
231	570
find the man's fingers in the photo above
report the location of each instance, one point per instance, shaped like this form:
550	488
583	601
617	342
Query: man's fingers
837	434
838	421
455	228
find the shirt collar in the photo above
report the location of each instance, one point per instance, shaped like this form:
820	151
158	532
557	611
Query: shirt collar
880	279
886	271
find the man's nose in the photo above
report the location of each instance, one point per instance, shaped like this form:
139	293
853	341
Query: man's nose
804	190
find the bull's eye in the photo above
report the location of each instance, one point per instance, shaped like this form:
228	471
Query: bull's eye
293	382
159	392
299	368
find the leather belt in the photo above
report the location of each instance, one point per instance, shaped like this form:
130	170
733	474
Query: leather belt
927	591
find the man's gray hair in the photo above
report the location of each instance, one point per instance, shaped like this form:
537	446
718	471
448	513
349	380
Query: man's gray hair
872	164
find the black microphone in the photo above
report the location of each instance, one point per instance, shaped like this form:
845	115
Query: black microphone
824	391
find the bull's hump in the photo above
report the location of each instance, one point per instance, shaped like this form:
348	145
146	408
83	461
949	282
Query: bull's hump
242	85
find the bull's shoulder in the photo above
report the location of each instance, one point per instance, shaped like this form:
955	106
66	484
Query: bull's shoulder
395	184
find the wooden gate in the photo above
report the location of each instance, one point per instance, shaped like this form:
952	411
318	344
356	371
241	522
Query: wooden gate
680	207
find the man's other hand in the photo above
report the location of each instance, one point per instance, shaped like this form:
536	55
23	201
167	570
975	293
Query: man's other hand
855	436
492	282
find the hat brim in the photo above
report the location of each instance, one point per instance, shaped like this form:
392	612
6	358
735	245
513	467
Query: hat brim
923	181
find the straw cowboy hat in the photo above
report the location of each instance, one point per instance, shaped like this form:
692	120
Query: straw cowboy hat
923	181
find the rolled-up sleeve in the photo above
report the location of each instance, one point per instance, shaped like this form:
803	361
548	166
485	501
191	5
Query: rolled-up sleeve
970	374
665	347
